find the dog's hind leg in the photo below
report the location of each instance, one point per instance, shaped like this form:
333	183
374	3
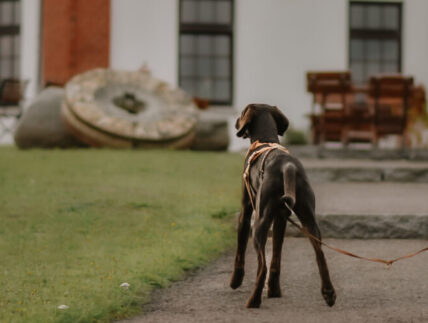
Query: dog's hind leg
264	217
306	214
279	225
244	226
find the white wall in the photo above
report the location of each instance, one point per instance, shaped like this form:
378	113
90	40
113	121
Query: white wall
415	40
145	31
278	41
30	45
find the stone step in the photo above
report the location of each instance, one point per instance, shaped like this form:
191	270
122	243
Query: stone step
367	152
371	210
354	170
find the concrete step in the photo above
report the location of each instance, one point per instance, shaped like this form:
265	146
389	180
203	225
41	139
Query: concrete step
358	170
357	152
371	210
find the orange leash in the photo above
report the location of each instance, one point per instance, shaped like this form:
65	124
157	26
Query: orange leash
347	253
271	146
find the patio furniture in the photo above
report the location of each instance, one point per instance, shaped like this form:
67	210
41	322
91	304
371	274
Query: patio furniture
390	96
360	118
331	92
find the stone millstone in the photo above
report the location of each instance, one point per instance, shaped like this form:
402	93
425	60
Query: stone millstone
42	125
122	109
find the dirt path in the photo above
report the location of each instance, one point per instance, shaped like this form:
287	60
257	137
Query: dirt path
366	292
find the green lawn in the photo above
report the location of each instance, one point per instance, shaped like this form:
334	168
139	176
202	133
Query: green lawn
75	224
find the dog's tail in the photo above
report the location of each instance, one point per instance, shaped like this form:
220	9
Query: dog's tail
289	177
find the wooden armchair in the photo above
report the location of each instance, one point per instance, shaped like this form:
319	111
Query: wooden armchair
390	95
330	90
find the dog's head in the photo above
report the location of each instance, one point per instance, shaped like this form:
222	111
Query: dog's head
252	111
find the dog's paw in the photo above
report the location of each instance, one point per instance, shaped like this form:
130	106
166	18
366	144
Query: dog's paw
329	295
237	278
253	302
273	286
274	292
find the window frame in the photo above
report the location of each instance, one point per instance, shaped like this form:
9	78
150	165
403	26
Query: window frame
376	34
209	29
13	30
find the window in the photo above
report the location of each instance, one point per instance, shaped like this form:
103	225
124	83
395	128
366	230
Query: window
205	50
10	17
375	39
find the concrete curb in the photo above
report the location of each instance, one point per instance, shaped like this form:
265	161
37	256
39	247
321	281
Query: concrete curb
355	153
370	226
375	174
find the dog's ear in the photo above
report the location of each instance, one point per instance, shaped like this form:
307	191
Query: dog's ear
280	119
243	121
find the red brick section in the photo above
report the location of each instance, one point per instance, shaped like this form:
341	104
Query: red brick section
76	38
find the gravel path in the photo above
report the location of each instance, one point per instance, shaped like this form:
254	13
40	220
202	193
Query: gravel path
366	292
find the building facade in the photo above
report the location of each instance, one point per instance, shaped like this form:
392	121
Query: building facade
232	52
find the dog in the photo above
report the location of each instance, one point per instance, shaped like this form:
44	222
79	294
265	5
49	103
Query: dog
275	178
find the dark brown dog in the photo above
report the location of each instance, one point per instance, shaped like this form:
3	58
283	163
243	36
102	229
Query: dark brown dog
283	180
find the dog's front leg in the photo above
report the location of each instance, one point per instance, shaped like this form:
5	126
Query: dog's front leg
244	226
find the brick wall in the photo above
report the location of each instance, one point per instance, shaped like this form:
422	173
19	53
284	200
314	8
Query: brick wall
76	38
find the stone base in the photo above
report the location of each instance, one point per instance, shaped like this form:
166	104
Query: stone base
42	126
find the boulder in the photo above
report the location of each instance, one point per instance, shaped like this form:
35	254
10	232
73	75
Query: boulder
41	124
211	135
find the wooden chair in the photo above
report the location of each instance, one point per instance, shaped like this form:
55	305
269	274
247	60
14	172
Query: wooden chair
390	95
331	91
11	94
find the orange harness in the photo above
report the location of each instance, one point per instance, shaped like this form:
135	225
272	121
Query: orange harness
251	159
252	155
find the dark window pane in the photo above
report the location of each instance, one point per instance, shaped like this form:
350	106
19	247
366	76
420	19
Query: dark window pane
222	90
373	50
222	45
373	68
17	68
357	71
373	16
188	85
205	49
6	13
205	88
17	44
222	67
390	68
373	47
17	12
187	44
391	17
357	16
187	67
390	50
5	67
189	11
204	67
204	45
207	11
6	45
224	12
357	49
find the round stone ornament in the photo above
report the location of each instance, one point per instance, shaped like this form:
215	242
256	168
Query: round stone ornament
111	108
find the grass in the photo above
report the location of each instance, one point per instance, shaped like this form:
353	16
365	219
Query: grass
75	224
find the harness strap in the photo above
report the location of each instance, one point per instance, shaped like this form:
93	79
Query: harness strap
251	157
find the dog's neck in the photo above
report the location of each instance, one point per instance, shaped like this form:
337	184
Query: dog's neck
264	129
